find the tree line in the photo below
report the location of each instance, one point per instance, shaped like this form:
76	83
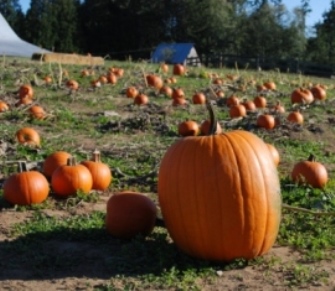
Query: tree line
262	28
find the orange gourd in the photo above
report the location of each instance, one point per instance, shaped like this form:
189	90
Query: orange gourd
26	187
101	173
310	172
266	121
53	161
73	85
28	136
188	128
302	96
37	112
26	90
141	99
220	195
199	98
179	69
130	214
319	93
131	92
3	106
295	117
260	101
66	180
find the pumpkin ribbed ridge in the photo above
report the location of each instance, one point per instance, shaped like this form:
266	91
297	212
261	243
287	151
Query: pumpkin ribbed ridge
220	198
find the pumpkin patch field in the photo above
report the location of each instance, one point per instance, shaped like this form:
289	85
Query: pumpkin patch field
140	176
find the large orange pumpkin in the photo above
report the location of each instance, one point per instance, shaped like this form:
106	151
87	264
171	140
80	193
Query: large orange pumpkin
220	195
130	214
68	179
26	187
101	173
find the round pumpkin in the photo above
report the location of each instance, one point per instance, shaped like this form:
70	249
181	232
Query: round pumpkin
53	161
220	195
26	90
37	112
166	90
249	105
266	121
141	99
66	180
310	172
302	96
295	117
260	101
188	127
73	85
319	93
131	92
28	136
237	111
178	69
130	214
199	98
101	173
26	187
3	106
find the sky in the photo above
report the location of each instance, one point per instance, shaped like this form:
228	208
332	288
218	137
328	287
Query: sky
318	8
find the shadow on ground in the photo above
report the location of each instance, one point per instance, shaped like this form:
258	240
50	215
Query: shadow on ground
89	252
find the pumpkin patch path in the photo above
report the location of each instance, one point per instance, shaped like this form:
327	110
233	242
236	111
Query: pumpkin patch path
61	264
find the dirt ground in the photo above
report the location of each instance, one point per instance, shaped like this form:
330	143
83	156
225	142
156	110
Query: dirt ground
85	267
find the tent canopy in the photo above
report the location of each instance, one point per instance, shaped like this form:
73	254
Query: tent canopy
12	45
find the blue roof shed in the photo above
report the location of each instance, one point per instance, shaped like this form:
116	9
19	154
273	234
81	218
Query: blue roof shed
176	53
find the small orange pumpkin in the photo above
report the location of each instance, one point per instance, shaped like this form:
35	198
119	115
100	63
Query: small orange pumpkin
131	92
28	136
37	112
66	180
310	172
53	161
73	85
188	128
141	99
179	69
26	90
3	106
295	117
266	121
260	101
302	96
26	187
130	214
101	173
199	98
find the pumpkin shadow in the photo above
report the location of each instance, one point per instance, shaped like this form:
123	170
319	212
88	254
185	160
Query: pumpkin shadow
92	253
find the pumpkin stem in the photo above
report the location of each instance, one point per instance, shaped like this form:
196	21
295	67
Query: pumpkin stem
71	161
311	158
96	156
212	117
22	166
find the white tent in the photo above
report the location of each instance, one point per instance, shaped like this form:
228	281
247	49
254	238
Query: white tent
12	45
